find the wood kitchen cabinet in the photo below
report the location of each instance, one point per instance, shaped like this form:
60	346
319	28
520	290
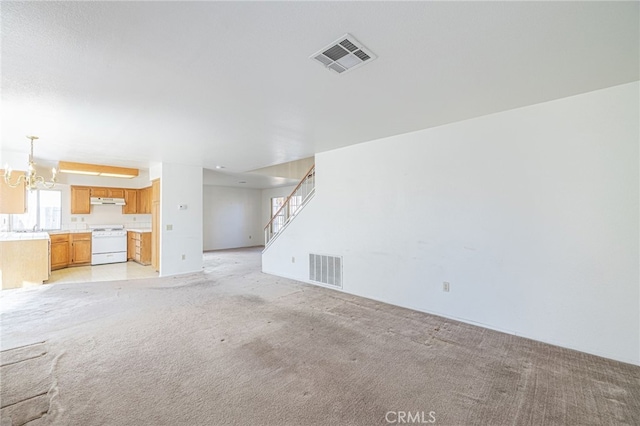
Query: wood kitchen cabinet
116	192
144	201
107	192
59	251
131	246
136	200
131	201
80	200
139	246
155	190
155	224
100	192
12	200
80	249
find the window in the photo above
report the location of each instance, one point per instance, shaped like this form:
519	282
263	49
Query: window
43	211
276	204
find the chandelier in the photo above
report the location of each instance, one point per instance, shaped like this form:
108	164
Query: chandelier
29	178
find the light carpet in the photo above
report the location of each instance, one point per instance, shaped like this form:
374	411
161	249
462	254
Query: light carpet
233	346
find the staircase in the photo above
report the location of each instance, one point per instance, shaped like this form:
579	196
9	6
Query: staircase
292	205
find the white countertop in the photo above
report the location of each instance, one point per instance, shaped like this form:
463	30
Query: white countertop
70	231
139	229
19	236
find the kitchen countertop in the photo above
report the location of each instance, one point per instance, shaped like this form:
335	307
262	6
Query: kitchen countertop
70	231
82	231
19	236
44	235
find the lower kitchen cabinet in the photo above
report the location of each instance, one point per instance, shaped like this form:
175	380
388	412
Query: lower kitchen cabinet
80	248
139	247
131	245
59	251
72	249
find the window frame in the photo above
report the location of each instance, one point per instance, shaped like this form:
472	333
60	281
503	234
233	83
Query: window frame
38	213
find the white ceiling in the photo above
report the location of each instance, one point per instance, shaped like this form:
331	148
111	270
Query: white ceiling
244	180
230	83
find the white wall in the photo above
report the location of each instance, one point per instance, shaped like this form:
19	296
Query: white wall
531	215
231	217
181	233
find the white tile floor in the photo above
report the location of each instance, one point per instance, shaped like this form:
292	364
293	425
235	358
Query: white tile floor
110	272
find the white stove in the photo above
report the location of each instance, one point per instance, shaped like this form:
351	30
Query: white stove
108	244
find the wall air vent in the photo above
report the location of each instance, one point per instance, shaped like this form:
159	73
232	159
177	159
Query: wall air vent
344	54
325	269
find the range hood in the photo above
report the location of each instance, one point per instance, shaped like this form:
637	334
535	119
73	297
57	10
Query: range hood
107	201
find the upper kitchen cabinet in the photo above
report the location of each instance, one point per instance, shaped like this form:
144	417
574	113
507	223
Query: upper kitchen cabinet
116	193
107	192
12	200
81	199
144	200
155	191
137	201
100	192
131	201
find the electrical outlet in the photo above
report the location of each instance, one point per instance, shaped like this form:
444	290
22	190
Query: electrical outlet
82	219
184	257
134	218
445	286
293	259
169	227
249	236
74	219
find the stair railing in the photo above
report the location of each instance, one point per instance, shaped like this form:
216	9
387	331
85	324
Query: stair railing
291	205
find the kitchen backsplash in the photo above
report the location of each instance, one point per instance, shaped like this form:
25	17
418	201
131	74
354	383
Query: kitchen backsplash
129	225
105	215
101	215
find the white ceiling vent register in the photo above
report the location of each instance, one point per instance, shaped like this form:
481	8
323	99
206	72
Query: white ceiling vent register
344	54
325	269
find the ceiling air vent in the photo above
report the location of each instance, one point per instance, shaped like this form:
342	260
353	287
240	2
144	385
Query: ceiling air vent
344	54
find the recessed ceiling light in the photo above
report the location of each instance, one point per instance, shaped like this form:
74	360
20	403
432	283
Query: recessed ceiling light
219	167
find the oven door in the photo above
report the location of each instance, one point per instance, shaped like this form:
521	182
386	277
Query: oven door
108	249
108	244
